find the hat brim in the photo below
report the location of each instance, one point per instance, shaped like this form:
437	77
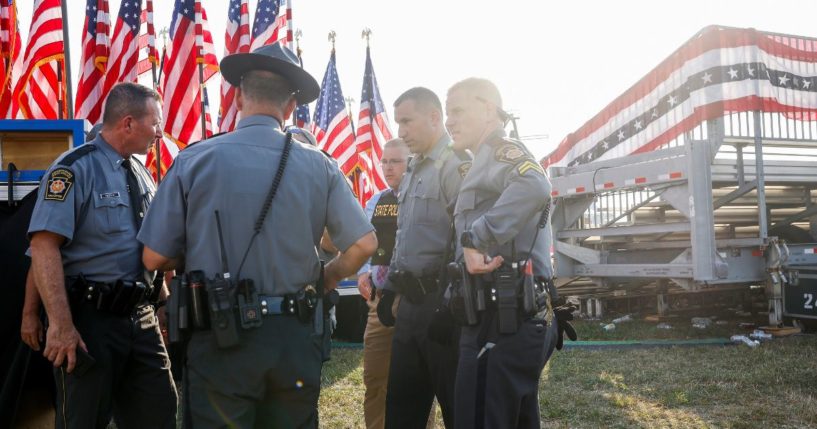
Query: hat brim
233	68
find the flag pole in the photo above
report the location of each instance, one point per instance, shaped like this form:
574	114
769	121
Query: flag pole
298	35
200	60
289	24
69	107
152	57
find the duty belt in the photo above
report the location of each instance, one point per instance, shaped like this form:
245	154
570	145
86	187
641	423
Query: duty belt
120	297
412	287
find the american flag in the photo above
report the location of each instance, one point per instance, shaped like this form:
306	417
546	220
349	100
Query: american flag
95	52
38	89
302	116
207	118
372	133
124	52
270	25
332	125
236	40
719	71
302	111
10	60
148	55
181	87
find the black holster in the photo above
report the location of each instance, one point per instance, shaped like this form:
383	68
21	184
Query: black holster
413	288
120	297
464	298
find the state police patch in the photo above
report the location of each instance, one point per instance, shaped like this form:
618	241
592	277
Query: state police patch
509	153
59	183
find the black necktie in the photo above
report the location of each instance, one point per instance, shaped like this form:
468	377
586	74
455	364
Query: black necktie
134	192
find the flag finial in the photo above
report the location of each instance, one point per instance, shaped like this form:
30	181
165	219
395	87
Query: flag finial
332	36
367	33
298	35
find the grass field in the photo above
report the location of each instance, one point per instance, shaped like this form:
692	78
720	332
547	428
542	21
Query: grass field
772	386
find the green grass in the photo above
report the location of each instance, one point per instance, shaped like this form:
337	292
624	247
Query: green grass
773	386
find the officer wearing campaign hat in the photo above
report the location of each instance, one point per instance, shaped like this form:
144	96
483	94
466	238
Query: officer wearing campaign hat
271	376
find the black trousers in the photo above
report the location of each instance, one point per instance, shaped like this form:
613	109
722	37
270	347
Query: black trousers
497	387
420	369
130	380
271	380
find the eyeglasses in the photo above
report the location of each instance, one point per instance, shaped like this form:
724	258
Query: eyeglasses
386	162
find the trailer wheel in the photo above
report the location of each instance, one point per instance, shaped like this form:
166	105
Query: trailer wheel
794	235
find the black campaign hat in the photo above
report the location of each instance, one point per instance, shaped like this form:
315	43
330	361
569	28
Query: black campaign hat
277	59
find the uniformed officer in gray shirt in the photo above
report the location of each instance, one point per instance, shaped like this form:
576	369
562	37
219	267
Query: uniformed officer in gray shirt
85	253
271	378
420	368
496	216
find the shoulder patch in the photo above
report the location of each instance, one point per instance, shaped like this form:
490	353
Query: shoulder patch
60	182
464	168
529	165
510	153
72	157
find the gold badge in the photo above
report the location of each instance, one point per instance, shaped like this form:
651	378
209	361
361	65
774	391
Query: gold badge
464	168
509	153
59	183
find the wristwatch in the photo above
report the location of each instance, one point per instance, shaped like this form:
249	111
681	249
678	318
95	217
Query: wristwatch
467	239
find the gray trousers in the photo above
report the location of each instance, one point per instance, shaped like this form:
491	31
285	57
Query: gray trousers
271	380
499	389
130	380
420	369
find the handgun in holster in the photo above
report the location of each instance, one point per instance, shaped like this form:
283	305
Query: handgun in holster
506	281
462	304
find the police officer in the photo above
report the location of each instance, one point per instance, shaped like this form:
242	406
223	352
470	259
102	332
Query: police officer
271	377
496	216
85	253
421	369
377	338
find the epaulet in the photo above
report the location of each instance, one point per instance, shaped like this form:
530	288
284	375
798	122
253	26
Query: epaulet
325	153
81	151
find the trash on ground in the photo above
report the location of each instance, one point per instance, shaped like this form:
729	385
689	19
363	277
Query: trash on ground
760	335
609	327
747	325
722	322
745	340
701	322
663	326
625	318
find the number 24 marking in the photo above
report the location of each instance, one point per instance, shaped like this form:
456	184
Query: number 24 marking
809	301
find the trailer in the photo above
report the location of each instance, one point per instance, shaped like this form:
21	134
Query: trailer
27	149
700	178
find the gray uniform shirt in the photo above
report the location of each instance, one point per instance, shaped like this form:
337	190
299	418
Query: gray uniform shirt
87	202
232	173
427	194
501	201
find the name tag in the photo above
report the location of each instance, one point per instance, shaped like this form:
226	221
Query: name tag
109	195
